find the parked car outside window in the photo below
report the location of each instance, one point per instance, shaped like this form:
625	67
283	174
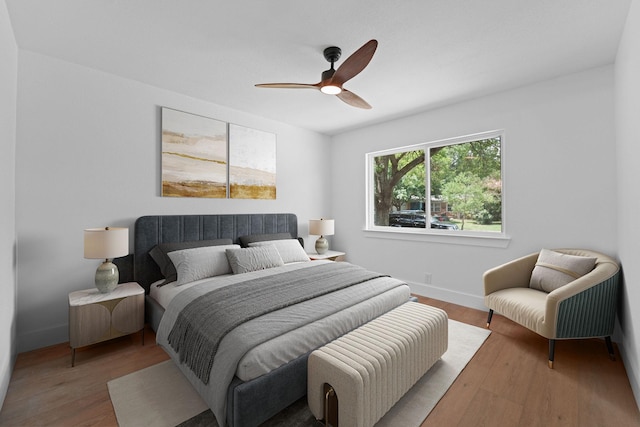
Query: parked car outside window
418	219
408	218
435	223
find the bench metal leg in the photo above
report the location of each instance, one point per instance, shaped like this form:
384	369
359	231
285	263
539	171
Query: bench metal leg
330	406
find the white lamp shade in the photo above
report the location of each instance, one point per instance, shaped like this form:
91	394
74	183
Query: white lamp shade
321	227
106	243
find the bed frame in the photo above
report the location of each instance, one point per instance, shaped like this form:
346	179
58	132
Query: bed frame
276	390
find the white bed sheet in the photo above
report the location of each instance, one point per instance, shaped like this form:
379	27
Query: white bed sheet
164	294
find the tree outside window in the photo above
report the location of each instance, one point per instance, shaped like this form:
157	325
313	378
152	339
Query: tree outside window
392	190
461	177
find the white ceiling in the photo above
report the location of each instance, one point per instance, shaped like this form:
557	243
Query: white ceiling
430	53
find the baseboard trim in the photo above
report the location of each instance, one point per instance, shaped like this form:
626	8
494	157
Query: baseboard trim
455	297
42	338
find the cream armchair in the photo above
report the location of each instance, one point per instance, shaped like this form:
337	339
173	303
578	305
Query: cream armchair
583	308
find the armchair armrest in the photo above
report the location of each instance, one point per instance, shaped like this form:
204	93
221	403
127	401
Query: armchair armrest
513	274
585	307
601	272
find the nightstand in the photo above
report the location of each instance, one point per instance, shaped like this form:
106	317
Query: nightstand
95	317
330	255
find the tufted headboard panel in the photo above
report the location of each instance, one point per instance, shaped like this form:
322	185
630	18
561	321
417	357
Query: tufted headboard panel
151	230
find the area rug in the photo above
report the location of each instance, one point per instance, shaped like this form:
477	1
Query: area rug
161	396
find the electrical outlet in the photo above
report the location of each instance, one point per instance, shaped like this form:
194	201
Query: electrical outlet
427	278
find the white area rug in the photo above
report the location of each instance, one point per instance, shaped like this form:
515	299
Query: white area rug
161	396
155	396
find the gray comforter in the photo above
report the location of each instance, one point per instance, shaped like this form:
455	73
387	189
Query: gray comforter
204	322
275	323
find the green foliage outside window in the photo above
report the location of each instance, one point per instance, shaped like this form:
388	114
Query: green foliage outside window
465	177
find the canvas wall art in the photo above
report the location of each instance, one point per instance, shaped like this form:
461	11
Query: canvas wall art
252	163
204	157
194	155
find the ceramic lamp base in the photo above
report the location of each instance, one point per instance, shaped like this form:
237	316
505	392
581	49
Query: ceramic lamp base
322	245
107	277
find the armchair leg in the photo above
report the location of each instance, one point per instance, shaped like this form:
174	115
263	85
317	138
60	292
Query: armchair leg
612	355
489	318
552	350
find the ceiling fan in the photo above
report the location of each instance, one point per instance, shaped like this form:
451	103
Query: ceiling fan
332	79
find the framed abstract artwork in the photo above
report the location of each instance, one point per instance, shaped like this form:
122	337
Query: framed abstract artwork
204	157
252	163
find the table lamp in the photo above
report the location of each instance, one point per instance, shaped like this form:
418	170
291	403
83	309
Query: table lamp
106	243
321	227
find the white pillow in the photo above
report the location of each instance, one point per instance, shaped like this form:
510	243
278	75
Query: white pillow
554	270
290	250
252	259
199	263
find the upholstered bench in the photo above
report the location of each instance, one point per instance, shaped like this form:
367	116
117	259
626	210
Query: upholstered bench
369	369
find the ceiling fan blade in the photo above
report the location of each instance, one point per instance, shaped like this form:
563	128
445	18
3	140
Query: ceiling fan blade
354	64
289	85
353	99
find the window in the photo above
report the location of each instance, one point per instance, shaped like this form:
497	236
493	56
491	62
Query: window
453	185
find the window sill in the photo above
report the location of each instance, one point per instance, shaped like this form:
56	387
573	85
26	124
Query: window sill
467	238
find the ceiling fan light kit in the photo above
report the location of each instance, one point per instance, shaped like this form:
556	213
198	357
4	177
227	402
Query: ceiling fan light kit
331	90
332	80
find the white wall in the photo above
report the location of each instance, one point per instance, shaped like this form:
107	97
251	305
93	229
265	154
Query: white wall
559	180
627	107
8	88
88	155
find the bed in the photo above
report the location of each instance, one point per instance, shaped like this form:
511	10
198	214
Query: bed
263	359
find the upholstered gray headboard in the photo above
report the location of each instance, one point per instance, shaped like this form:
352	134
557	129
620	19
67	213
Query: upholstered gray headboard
151	230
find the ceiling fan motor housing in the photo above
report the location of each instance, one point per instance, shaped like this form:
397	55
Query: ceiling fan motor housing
327	74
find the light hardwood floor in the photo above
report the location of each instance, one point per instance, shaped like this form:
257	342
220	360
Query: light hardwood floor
507	383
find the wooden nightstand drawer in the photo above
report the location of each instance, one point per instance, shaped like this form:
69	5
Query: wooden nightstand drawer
95	317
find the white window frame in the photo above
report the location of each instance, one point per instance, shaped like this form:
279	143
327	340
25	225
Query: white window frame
482	238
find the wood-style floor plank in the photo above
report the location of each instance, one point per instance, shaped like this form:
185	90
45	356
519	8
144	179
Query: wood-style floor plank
46	391
507	383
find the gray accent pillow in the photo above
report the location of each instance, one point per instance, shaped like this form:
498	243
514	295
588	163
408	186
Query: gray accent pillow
289	250
199	263
246	240
251	259
160	251
554	270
